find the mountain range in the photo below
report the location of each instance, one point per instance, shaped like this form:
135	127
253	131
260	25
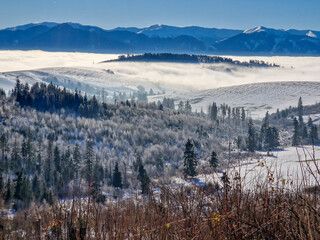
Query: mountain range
51	36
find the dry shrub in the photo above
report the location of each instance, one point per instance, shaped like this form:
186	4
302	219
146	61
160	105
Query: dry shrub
269	211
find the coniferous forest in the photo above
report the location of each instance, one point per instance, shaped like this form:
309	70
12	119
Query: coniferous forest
73	167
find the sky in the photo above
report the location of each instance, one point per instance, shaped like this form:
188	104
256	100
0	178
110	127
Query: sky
108	14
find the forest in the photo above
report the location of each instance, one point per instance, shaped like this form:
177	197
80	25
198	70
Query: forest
172	57
59	146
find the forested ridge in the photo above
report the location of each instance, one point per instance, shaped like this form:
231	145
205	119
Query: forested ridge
63	151
52	137
187	58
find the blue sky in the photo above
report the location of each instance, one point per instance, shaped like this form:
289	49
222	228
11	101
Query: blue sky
236	14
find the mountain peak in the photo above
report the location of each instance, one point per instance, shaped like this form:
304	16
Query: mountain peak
311	34
155	27
256	29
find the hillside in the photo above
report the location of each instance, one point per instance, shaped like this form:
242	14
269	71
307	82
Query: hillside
257	98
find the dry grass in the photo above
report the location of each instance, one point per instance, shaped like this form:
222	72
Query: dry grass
233	212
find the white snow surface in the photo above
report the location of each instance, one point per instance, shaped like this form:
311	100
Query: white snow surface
293	167
290	168
257	98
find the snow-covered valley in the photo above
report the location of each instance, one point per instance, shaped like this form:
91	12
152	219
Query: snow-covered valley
258	90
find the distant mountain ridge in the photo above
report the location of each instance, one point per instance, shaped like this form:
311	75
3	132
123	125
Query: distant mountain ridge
158	38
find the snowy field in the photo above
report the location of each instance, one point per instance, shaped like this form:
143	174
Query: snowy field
200	83
289	168
257	98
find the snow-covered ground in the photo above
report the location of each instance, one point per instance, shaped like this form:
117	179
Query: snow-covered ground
257	98
289	168
292	167
200	83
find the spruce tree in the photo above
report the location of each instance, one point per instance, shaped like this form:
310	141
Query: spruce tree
36	188
314	133
15	162
22	191
296	133
76	160
3	146
49	165
8	193
190	160
213	112
117	178
213	160
305	132
56	158
300	107
251	137
144	179
310	123
300	113
89	158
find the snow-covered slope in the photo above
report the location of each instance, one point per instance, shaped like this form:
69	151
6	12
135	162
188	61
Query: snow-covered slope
289	168
89	80
266	89
256	98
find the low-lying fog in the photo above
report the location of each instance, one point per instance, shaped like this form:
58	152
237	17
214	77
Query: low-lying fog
174	75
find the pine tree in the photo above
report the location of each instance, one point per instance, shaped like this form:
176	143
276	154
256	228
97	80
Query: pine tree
296	133
8	193
310	123
181	107
278	114
56	159
190	160
77	160
271	138
300	114
30	155
15	162
89	158
117	178
243	115
3	146
251	137
314	133
49	165
144	179
300	107
22	191
37	188
305	132
213	160
187	108
213	110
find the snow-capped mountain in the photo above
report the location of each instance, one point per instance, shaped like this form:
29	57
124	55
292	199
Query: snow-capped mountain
272	41
207	35
160	38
